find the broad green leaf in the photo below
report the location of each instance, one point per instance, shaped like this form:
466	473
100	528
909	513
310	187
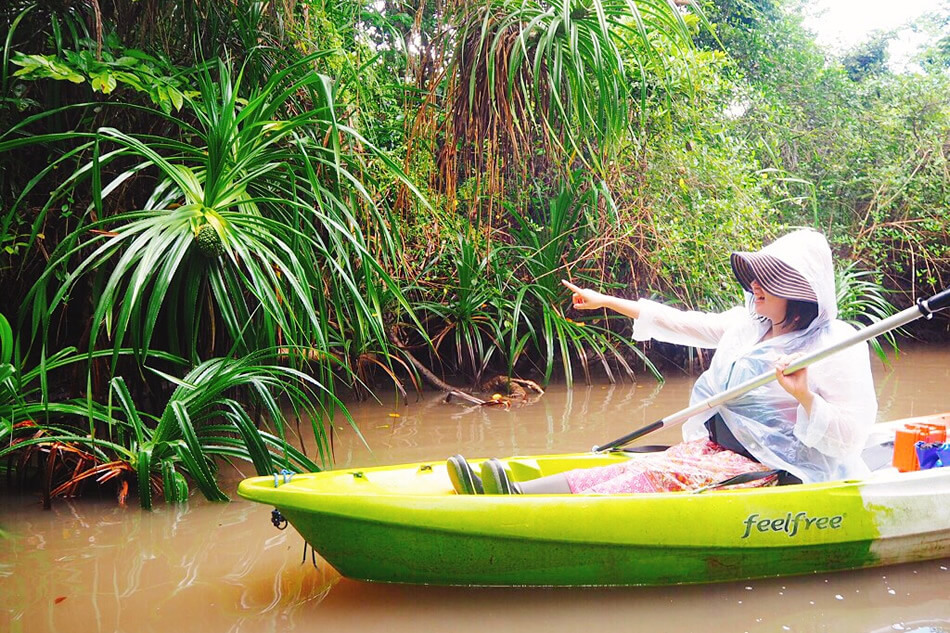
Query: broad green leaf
104	82
44	67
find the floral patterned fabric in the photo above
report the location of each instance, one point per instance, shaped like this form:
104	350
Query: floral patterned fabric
686	466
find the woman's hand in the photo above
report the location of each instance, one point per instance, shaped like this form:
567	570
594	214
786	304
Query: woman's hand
795	383
584	299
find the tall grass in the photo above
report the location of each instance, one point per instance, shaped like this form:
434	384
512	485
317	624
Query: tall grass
547	248
863	300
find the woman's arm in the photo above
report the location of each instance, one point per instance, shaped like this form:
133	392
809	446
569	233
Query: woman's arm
660	322
840	407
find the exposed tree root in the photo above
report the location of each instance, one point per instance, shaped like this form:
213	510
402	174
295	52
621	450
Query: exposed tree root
504	390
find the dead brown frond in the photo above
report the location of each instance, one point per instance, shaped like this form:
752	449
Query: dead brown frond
64	466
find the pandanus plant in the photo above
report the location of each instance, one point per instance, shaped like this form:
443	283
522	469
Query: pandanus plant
251	235
207	417
862	300
530	73
472	311
203	421
255	220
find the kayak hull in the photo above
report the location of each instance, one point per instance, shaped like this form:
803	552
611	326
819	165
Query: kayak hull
374	551
405	524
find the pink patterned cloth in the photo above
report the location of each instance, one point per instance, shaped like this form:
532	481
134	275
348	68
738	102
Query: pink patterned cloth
685	466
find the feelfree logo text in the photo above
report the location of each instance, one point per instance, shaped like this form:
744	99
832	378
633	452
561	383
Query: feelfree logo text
790	524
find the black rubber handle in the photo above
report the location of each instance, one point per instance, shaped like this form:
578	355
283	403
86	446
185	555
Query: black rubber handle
937	302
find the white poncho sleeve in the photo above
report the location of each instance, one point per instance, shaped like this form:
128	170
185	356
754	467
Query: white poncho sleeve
684	327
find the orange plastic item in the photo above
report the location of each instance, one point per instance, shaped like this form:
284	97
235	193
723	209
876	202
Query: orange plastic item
905	453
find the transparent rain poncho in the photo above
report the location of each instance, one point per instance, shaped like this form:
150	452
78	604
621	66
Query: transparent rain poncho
825	445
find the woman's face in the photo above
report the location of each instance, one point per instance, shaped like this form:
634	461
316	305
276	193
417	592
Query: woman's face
768	306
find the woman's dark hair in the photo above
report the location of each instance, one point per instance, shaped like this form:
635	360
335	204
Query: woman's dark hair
800	314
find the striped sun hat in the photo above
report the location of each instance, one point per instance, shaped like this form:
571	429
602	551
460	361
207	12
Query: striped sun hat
774	275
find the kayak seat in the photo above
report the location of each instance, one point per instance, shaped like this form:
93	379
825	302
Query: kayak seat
878	456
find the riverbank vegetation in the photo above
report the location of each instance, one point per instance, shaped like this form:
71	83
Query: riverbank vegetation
217	218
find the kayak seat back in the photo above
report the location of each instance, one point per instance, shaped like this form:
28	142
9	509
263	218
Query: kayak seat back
878	456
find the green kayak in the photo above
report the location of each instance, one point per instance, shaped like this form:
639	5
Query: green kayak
405	524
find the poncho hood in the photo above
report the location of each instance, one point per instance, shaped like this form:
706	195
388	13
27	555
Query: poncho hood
807	252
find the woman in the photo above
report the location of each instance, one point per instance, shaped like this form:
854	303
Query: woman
810	425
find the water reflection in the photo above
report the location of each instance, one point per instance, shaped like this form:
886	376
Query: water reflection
91	566
564	420
117	569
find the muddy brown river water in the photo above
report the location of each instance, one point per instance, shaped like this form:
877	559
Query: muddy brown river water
88	565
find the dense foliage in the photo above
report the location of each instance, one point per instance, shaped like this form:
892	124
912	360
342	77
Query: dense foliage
217	216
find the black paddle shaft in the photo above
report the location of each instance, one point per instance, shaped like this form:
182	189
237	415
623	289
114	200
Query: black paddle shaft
924	308
629	437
